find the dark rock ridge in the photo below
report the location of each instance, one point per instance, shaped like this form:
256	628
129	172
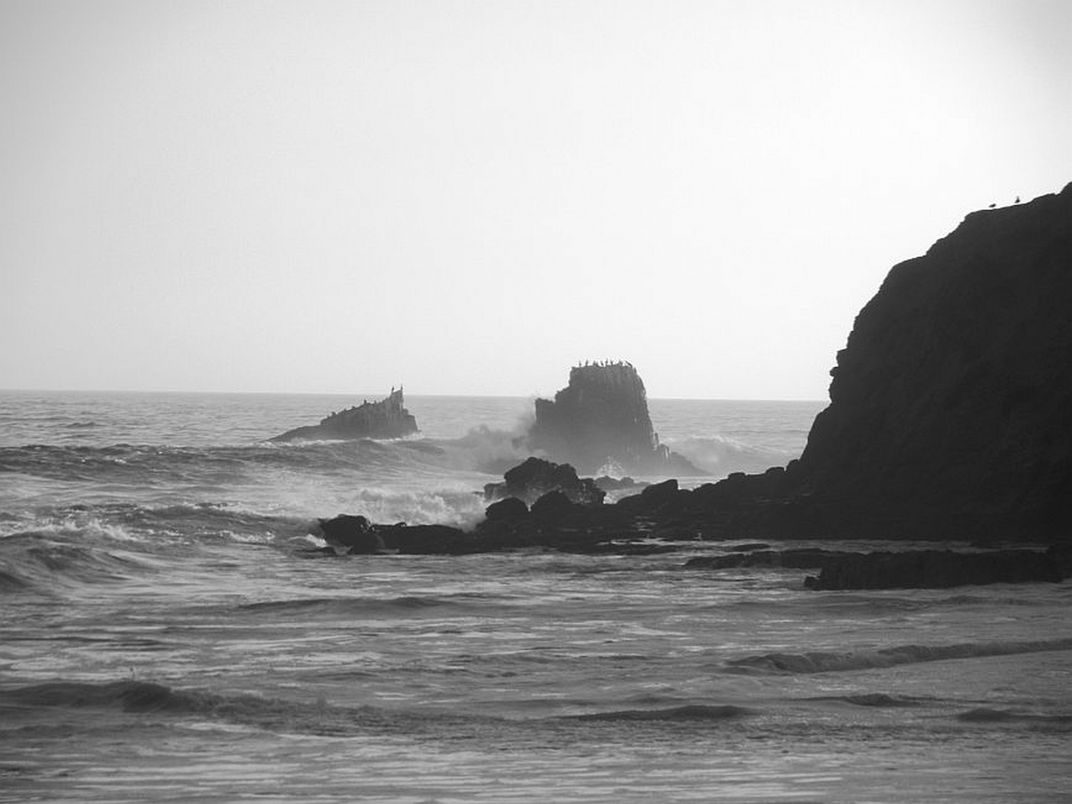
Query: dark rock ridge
387	418
601	417
665	518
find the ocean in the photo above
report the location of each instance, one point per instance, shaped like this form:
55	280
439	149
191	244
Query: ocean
168	631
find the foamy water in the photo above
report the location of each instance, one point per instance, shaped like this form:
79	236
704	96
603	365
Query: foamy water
165	634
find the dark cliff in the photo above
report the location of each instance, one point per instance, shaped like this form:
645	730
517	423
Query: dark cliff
602	416
950	409
387	418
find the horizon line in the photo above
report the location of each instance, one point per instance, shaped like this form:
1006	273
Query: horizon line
532	395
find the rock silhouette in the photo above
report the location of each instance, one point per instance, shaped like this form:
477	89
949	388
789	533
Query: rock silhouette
601	419
387	418
950	409
950	419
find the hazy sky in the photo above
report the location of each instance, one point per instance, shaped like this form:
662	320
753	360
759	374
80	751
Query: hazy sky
470	197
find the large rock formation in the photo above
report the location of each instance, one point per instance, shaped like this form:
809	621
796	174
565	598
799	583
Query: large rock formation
950	419
387	418
951	406
601	418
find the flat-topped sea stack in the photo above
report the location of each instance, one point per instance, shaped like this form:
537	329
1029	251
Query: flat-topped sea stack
387	418
601	418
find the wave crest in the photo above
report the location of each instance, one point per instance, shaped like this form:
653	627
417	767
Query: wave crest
687	712
720	455
822	662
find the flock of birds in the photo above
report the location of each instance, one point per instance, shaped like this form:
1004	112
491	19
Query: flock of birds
1017	201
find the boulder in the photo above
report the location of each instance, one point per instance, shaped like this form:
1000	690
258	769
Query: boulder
353	533
536	477
554	506
510	508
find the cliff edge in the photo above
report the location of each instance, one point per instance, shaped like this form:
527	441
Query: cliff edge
950	409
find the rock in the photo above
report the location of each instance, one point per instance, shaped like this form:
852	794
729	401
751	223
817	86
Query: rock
950	410
1061	556
950	418
659	494
536	477
934	569
510	508
600	418
426	539
387	418
608	483
654	498
355	533
951	406
554	506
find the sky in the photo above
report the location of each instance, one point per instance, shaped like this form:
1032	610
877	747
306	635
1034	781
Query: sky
470	197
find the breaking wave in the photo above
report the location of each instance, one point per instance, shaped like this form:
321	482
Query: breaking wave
51	559
481	450
268	713
406	605
720	456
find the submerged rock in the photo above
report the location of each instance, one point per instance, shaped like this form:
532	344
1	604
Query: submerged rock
387	418
601	418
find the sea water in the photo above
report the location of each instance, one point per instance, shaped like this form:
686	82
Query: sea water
168	631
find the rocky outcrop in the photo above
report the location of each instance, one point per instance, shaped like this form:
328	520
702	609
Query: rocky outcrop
950	419
601	418
387	418
350	534
536	477
951	406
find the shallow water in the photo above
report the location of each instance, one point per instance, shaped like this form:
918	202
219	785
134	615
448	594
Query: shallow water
166	635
